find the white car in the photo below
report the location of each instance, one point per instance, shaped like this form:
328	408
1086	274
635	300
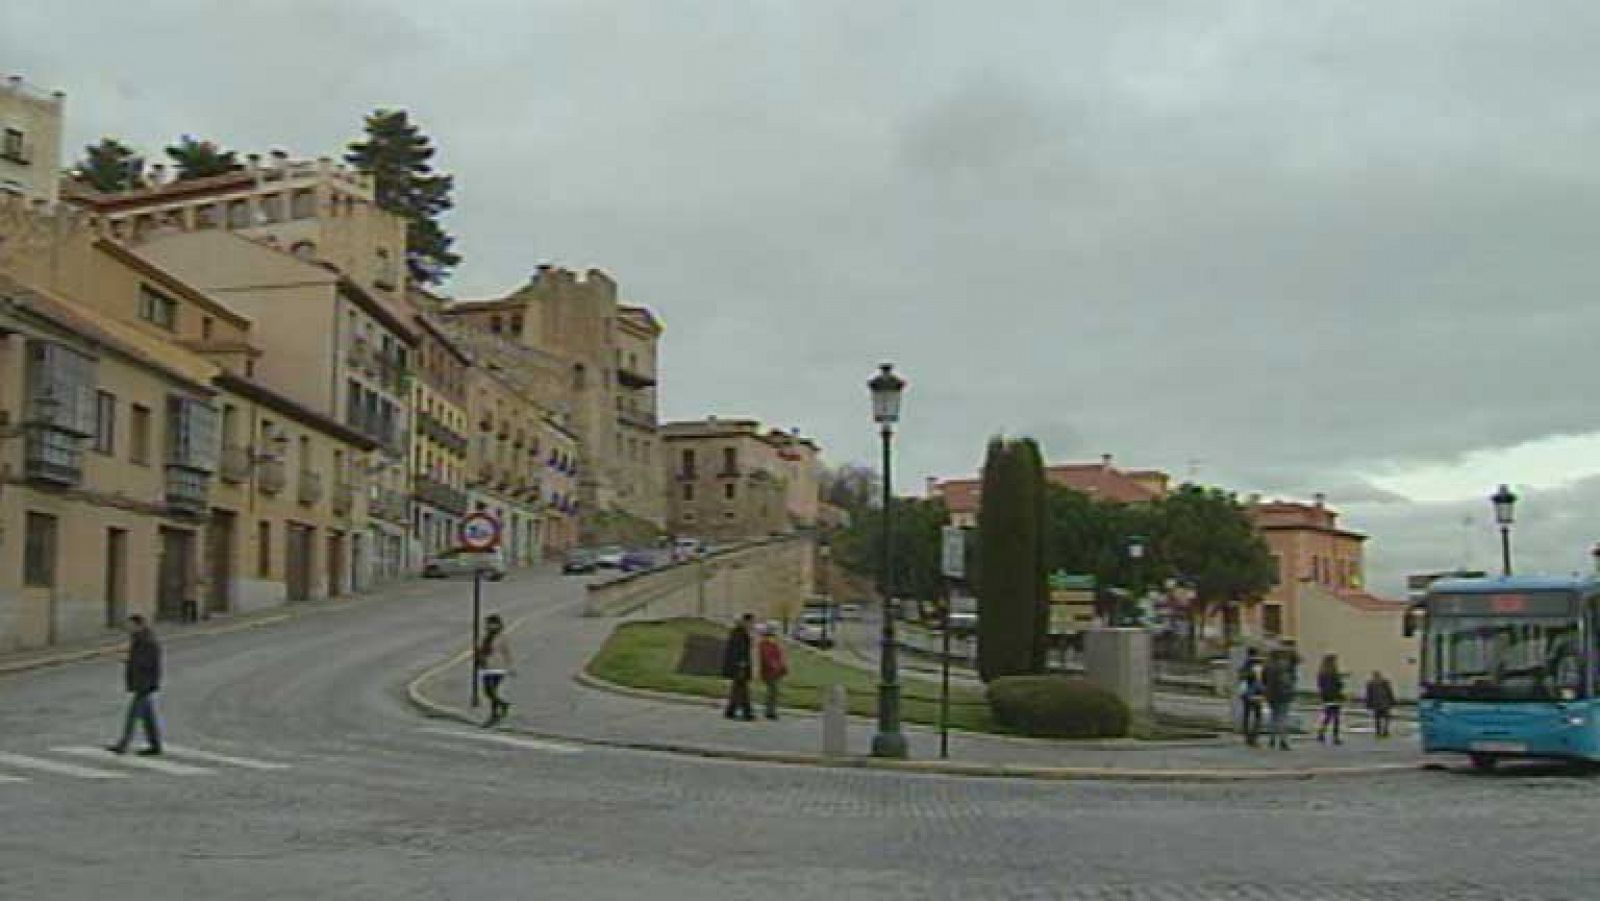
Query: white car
812	628
608	558
463	562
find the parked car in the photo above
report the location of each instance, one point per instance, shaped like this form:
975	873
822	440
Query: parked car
813	628
463	562
634	561
608	557
578	562
850	611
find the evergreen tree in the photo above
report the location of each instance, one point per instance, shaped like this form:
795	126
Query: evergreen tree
1013	591
196	158
396	153
1203	536
110	167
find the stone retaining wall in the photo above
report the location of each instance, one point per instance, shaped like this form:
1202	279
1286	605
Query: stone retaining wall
770	578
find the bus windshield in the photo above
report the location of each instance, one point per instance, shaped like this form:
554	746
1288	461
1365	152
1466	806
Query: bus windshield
1496	648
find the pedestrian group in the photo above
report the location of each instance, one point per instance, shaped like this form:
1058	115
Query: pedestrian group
739	664
1267	687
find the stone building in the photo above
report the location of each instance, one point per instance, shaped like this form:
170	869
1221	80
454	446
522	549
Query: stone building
30	140
147	470
439	441
605	354
330	345
732	480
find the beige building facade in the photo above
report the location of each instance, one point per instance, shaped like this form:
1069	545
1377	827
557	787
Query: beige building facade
30	140
439	442
731	480
329	345
605	355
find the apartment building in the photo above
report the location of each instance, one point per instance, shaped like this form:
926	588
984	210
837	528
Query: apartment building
1103	480
317	210
30	139
439	442
605	354
729	479
329	345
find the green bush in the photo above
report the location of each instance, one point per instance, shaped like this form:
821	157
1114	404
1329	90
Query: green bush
1057	707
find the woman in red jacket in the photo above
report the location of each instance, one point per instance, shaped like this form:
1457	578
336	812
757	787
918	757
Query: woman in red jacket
773	668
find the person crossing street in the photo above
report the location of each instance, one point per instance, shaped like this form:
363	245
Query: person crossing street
141	676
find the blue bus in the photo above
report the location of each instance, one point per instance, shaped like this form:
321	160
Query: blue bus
1508	668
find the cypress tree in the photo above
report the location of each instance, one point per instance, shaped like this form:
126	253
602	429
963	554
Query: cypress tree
1013	600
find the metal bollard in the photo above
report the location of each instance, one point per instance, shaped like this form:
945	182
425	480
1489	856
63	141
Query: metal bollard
835	735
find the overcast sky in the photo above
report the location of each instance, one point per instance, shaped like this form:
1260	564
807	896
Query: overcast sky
1280	247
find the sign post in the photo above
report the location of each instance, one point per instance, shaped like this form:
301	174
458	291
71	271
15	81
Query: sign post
953	564
479	532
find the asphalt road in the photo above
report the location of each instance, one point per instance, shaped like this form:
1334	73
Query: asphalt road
329	786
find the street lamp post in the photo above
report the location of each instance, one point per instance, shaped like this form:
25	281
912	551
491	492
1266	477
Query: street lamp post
1504	509
889	741
1136	546
826	554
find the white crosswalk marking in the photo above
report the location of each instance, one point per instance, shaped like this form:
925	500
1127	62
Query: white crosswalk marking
533	744
185	752
143	763
12	779
22	761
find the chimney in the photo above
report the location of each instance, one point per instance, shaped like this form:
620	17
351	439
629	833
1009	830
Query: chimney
1319	499
158	174
1255	498
1105	461
932	486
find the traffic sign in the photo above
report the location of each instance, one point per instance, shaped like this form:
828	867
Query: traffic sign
953	553
480	532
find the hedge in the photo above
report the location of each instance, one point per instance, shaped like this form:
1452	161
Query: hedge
1057	707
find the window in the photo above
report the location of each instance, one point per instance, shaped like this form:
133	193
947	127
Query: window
688	491
516	325
263	549
730	461
157	308
688	463
305	454
1272	619
205	216
302	204
205	328
61	388
494	324
239	214
139	437
728	491
39	551
1277	569
272	208
105	423
192	431
12	147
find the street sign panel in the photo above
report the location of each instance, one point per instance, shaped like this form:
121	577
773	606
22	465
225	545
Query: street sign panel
480	532
954	556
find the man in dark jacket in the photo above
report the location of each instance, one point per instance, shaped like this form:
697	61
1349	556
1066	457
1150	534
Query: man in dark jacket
736	667
141	675
1277	683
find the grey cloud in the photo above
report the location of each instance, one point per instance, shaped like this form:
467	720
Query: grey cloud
1289	241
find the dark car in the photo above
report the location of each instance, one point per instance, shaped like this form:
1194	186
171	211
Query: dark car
634	561
578	562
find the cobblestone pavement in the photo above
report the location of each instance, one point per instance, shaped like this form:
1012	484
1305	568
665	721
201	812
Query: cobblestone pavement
352	796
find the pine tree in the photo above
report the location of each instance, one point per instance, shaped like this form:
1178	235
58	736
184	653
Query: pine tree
110	167
196	158
1013	594
396	153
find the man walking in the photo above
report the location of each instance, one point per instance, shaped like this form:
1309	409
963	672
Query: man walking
141	674
1380	700
1249	692
494	664
773	668
736	667
1278	685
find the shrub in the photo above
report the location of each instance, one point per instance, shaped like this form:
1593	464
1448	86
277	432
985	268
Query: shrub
1057	707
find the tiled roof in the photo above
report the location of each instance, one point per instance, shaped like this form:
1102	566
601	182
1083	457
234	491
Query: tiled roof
1094	479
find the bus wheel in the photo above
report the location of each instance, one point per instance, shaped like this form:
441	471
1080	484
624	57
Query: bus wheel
1483	763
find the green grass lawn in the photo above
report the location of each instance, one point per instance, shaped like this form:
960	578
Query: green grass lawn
645	655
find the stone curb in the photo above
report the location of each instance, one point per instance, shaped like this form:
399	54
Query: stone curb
429	707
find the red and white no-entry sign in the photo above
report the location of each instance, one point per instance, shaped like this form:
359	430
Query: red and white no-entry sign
480	532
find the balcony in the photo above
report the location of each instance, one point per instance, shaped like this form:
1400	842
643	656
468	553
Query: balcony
629	378
310	492
643	419
435	430
272	477
188	490
434	493
54	456
687	475
344	498
390	506
235	464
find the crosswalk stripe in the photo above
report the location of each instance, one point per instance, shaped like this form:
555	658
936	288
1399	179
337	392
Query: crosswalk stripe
22	761
12	779
248	763
533	744
143	763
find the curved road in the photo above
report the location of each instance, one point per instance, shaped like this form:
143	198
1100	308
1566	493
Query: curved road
309	777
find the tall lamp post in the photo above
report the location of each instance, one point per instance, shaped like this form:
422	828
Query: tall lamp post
1136	547
889	741
1504	510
